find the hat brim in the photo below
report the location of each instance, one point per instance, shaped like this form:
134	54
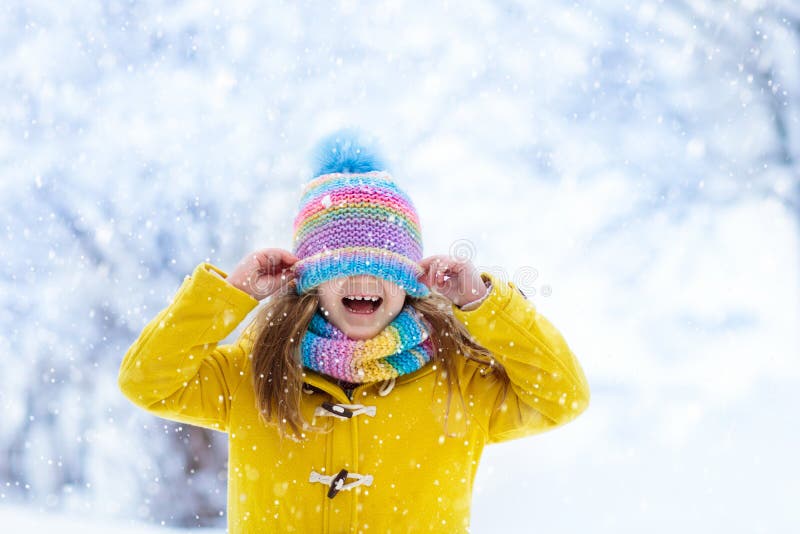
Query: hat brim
319	268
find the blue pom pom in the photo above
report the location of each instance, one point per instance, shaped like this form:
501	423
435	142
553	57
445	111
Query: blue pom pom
347	150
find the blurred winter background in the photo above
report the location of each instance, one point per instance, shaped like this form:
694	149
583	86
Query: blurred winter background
634	166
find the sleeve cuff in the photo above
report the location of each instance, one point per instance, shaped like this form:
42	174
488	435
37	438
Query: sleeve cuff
475	303
213	278
501	296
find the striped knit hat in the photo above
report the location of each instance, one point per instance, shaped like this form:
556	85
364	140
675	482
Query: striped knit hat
354	219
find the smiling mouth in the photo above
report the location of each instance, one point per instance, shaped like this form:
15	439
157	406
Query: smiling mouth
361	306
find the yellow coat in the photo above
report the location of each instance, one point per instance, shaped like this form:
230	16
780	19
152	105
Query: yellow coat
403	473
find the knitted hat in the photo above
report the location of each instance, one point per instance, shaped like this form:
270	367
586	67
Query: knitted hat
354	219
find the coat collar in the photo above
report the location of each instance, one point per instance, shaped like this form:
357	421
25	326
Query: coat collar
320	381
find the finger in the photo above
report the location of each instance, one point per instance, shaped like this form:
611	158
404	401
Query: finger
276	260
426	262
258	283
263	259
423	264
441	268
436	266
423	274
436	269
427	276
458	265
422	277
287	275
287	257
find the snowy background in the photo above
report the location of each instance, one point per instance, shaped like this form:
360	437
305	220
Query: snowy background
633	166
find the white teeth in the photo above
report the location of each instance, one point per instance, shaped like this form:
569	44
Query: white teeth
362	298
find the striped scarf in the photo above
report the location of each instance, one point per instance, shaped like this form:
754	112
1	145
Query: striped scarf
402	347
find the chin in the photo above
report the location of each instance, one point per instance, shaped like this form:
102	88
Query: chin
361	334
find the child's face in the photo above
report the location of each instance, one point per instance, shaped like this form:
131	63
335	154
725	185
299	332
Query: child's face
360	319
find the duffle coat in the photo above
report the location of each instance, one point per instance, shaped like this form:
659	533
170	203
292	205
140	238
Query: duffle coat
387	465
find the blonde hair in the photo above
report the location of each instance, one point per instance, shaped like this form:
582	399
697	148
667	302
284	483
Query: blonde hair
277	370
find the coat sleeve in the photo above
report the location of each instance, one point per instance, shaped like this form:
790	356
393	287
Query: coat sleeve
547	384
176	369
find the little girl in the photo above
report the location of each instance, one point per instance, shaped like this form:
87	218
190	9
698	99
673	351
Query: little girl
349	358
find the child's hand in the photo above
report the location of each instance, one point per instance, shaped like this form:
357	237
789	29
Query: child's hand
457	279
264	272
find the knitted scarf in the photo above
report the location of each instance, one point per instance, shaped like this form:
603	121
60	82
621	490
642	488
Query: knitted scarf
402	347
